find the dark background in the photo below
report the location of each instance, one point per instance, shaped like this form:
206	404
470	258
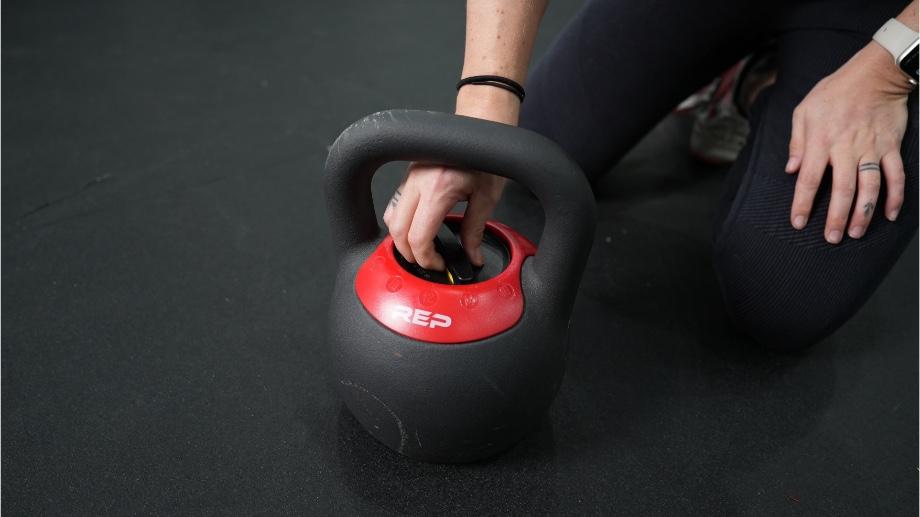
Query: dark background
167	265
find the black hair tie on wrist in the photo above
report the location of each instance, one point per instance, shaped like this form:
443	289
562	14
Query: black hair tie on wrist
494	80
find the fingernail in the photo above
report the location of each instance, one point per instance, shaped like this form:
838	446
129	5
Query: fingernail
793	161
477	257
799	222
893	215
856	232
834	237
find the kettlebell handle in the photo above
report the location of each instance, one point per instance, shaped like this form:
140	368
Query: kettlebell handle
466	143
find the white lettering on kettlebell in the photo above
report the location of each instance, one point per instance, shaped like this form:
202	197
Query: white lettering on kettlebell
420	317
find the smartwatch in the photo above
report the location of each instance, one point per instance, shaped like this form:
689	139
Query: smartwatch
901	41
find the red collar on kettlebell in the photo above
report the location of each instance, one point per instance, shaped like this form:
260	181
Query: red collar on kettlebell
439	313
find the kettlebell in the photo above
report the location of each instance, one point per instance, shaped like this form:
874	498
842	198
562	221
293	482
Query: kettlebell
457	370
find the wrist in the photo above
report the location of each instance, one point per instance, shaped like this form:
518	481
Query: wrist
489	103
879	67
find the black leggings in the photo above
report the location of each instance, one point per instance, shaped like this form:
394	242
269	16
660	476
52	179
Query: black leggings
621	66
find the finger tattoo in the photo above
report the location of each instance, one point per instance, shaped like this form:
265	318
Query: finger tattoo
870	166
395	198
868	208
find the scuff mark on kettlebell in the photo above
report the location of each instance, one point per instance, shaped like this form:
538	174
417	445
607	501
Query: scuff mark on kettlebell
498	390
402	432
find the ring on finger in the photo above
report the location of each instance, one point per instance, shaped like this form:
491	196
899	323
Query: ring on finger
870	166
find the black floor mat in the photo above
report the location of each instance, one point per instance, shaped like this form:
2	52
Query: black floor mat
167	266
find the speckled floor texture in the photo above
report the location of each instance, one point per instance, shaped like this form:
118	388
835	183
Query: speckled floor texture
167	266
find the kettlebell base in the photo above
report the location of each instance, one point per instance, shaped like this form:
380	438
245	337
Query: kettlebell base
480	453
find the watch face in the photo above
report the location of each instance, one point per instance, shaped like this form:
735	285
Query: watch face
910	63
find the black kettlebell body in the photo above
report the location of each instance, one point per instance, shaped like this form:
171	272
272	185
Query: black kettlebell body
451	373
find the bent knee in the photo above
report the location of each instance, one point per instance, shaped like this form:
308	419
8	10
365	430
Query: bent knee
782	313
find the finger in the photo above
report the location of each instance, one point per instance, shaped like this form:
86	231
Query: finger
399	221
893	168
814	163
868	182
427	220
796	143
478	210
842	191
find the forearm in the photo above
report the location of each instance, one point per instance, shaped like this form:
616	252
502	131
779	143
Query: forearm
499	41
909	16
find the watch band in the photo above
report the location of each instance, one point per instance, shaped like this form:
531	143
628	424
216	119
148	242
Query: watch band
896	37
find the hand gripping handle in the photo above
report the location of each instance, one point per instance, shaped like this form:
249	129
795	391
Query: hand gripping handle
466	143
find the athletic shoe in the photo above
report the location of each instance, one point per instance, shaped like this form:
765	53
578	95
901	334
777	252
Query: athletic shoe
720	125
719	130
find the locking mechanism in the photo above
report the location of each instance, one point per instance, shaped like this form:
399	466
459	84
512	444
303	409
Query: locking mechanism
460	271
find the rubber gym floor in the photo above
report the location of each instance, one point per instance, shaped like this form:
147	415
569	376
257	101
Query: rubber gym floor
167	266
